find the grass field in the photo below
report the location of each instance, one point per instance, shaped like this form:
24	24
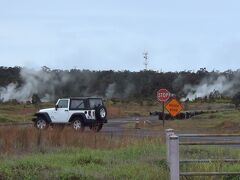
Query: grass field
134	162
65	154
211	152
220	122
26	153
91	156
21	112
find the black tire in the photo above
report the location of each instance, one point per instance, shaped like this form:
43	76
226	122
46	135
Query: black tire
101	113
96	127
41	123
77	124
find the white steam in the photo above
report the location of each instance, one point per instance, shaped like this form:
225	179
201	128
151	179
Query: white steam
111	91
50	84
34	82
209	85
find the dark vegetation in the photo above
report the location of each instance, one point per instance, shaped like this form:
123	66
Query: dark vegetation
236	99
118	84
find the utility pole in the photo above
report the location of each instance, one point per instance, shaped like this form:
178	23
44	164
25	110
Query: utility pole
145	56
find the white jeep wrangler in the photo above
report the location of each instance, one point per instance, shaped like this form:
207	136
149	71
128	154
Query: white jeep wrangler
79	112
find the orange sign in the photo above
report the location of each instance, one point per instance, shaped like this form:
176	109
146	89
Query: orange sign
173	107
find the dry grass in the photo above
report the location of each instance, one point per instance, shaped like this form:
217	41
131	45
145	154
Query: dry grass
219	122
196	106
21	140
128	110
140	159
23	112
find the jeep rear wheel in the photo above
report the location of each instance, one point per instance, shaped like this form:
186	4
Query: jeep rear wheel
77	125
101	113
41	123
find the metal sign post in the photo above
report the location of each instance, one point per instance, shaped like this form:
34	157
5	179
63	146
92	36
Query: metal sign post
163	113
163	95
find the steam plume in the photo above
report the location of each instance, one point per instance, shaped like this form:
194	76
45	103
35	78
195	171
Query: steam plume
222	84
34	82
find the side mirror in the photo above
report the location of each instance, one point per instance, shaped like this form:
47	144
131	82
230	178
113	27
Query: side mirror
56	107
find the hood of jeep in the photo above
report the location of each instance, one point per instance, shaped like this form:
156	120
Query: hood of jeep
47	110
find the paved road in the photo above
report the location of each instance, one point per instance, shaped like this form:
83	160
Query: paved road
117	126
114	126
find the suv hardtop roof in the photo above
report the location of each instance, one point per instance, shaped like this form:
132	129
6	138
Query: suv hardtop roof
83	98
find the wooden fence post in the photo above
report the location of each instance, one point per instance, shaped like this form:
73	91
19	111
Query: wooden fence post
174	157
168	133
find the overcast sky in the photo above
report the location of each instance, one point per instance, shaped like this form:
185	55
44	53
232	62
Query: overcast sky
102	35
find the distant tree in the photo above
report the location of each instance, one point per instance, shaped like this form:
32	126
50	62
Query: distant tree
205	98
211	97
236	99
46	69
35	99
136	85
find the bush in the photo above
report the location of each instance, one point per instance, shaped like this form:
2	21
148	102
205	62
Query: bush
236	99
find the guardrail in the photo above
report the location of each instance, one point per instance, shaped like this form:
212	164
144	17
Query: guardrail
172	145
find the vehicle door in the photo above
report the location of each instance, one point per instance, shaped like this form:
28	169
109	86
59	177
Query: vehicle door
61	113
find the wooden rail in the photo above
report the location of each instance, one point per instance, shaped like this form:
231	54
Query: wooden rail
209	160
209	173
211	143
172	144
207	135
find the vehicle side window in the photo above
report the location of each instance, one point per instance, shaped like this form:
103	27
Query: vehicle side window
77	104
95	103
63	103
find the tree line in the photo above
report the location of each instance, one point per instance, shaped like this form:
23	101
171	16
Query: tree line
117	84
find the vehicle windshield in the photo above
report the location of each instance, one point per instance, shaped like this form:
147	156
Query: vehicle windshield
63	103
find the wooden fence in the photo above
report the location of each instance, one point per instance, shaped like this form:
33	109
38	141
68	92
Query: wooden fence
173	142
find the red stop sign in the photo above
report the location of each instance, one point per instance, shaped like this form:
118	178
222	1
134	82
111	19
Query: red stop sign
163	95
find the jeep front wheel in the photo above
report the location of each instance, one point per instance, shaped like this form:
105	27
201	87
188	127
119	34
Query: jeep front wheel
77	125
41	123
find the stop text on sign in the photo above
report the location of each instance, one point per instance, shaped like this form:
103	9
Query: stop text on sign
163	95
